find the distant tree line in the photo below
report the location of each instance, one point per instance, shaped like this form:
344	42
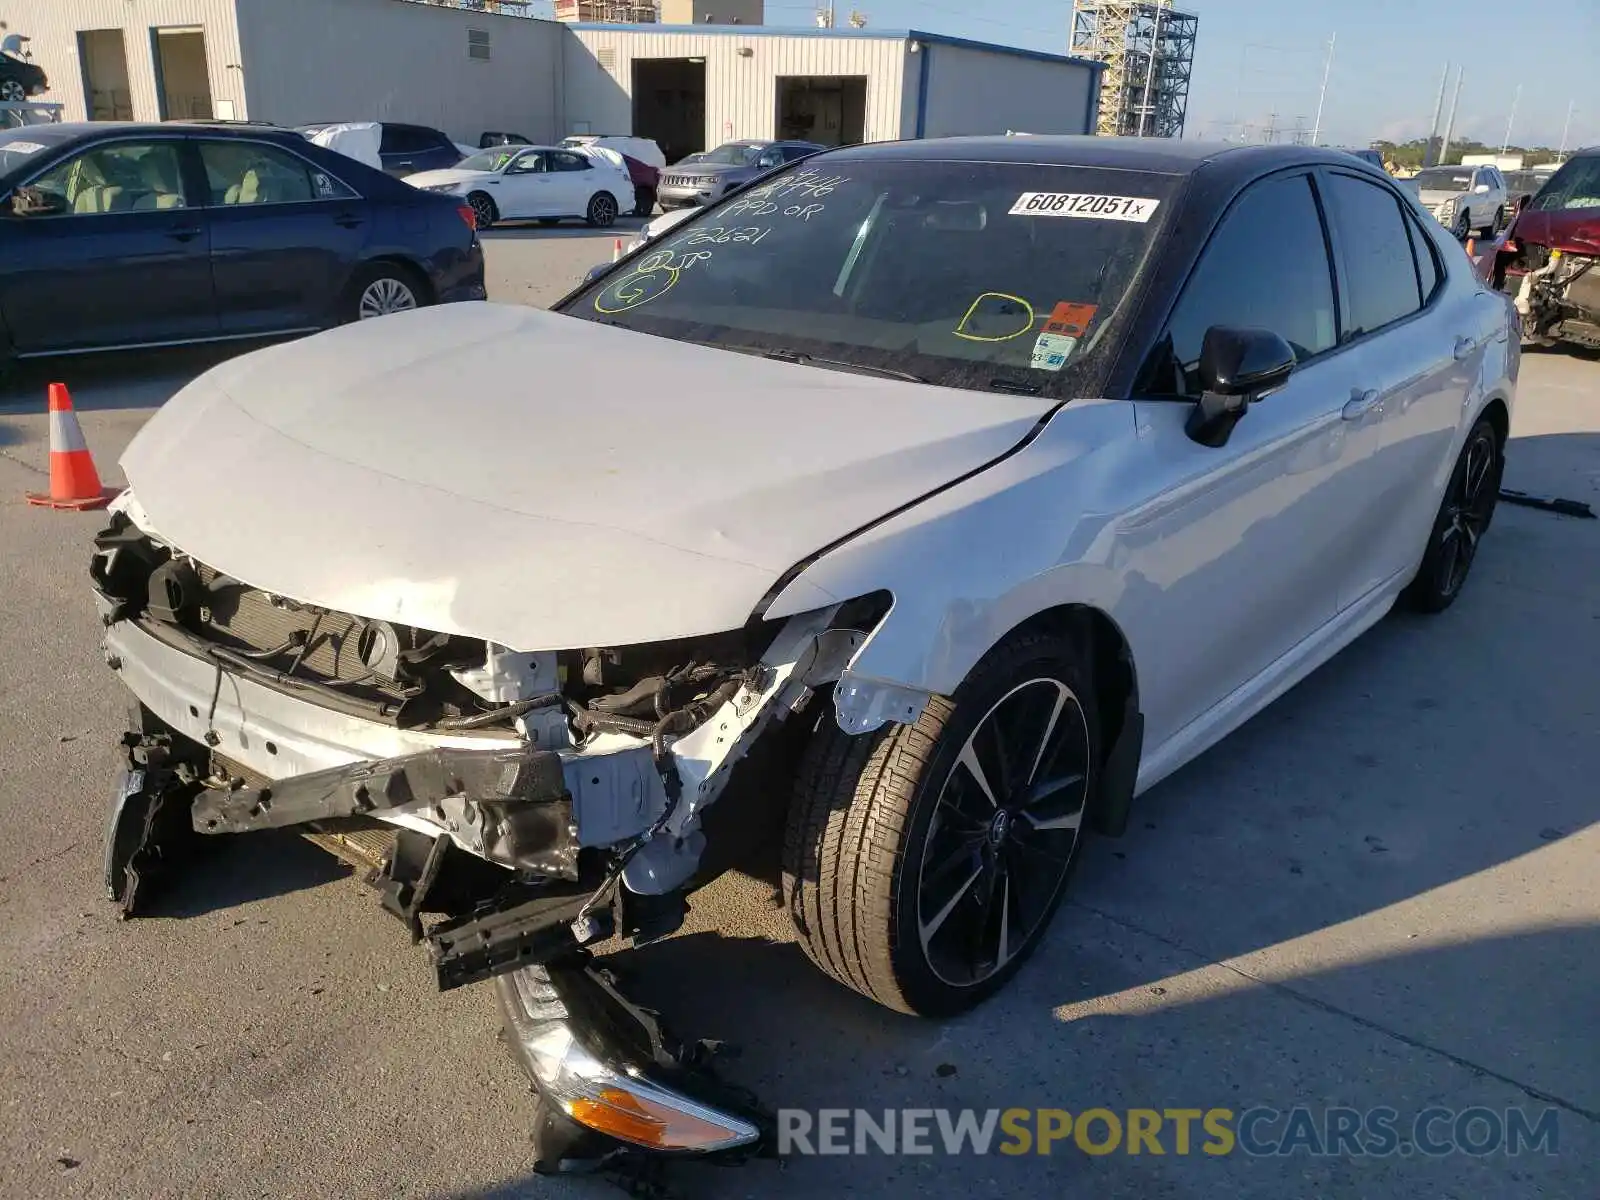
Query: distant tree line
1408	156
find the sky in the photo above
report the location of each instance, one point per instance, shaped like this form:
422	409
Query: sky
1257	57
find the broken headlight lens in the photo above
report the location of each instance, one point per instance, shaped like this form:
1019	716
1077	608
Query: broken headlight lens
614	1101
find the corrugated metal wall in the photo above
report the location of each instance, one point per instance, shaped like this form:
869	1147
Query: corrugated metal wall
741	92
54	24
329	60
981	91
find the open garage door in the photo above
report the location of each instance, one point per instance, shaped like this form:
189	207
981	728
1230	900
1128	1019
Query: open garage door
669	104
830	110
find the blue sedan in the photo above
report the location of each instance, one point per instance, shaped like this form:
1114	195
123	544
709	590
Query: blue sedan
121	235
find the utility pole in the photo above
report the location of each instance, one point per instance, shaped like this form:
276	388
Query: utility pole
1449	125
1438	111
1515	100
1327	69
1272	127
1150	69
1566	128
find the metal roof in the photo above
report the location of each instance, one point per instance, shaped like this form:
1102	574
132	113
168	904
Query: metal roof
902	35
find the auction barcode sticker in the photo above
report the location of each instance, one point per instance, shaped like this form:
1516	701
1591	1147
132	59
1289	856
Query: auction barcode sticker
1084	204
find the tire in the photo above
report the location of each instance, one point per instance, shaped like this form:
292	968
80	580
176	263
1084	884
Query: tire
602	212
12	91
1495	224
1463	229
861	832
644	201
484	210
1465	514
383	289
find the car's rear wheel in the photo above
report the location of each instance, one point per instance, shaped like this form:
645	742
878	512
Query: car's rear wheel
12	91
922	863
484	210
1495	225
602	212
644	201
1464	517
383	289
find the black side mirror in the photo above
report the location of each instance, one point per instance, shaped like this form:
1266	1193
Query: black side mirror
37	202
1237	366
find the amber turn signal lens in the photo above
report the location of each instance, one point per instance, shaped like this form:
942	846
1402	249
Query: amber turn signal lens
636	1119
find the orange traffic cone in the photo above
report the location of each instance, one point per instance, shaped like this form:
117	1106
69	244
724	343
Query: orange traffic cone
74	483
1472	247
616	250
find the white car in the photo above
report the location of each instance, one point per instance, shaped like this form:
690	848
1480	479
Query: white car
546	183
982	484
1464	199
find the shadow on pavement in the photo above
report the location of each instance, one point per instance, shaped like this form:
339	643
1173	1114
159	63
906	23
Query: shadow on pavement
100	382
625	228
225	872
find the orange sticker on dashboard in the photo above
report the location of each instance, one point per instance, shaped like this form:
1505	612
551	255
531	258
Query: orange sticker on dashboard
1071	319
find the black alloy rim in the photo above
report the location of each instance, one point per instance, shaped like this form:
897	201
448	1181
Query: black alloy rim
1003	832
1466	514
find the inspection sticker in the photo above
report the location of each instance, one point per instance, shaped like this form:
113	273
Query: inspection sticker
24	147
1083	204
1051	351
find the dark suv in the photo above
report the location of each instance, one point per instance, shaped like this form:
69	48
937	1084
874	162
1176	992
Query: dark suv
407	149
20	79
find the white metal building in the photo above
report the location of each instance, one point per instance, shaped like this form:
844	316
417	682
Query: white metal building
690	87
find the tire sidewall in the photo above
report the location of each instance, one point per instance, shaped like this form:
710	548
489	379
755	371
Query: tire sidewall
488	201
1034	658
369	276
1425	592
595	204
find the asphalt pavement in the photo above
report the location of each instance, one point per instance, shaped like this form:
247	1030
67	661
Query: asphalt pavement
1381	892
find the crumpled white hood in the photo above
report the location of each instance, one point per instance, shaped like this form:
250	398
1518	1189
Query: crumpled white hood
538	480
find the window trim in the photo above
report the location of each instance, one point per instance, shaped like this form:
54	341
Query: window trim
201	141
75	150
1310	173
1348	339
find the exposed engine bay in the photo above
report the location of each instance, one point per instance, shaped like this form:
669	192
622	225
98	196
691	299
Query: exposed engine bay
1556	292
508	806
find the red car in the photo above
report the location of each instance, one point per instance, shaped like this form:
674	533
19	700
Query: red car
1549	259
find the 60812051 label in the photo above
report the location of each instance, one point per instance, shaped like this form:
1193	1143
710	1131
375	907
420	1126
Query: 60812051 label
1138	209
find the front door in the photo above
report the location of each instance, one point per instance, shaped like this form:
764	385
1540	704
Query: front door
285	236
529	187
1238	549
119	254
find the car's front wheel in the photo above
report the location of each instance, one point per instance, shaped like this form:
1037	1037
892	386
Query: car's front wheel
1464	517
484	210
602	212
12	91
922	863
1463	229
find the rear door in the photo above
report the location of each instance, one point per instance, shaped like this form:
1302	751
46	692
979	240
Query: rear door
1245	550
127	263
1401	332
577	179
285	236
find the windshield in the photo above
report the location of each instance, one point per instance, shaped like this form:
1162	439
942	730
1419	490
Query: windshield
1444	179
967	274
486	160
732	154
19	146
1575	185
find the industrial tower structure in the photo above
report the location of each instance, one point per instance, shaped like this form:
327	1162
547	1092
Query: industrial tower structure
1148	49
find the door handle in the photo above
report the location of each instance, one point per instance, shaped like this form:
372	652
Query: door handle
348	220
1360	404
184	233
1464	347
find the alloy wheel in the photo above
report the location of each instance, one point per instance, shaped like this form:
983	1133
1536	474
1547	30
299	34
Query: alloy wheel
384	296
482	210
603	211
1467	512
1003	833
11	91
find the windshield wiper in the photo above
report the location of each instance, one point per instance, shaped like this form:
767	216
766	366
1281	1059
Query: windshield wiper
839	364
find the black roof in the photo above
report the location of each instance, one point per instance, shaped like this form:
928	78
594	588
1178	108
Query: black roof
73	130
1168	156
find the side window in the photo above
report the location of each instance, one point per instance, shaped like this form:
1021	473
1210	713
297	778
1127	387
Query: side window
528	164
1266	267
771	158
791	153
402	139
255	173
1379	270
1428	269
124	177
561	160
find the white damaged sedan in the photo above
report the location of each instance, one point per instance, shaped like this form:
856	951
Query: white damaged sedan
985	483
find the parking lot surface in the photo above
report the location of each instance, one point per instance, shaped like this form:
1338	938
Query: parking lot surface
1381	892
